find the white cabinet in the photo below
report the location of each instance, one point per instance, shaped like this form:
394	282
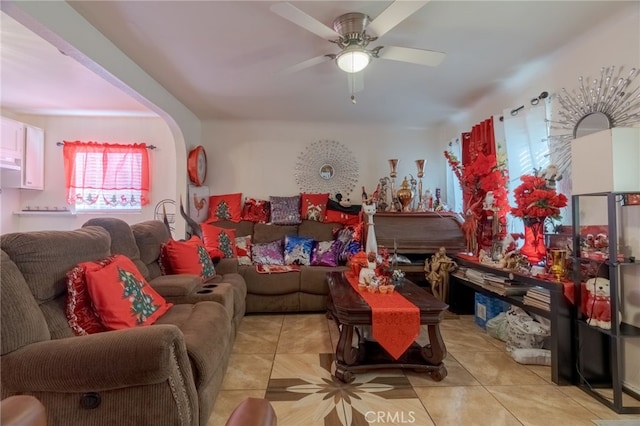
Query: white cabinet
21	155
33	159
12	140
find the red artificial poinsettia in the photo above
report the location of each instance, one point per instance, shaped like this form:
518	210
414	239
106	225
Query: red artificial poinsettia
483	174
536	201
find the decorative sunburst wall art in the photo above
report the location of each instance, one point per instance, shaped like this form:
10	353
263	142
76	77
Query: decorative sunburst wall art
609	97
327	166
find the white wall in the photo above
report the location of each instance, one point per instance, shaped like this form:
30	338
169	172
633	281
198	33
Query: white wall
258	158
152	131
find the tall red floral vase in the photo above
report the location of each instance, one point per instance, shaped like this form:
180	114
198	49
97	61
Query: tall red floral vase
533	247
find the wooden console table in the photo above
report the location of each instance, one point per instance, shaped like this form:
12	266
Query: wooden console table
461	301
351	312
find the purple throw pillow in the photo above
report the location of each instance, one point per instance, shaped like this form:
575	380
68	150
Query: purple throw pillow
267	253
326	253
285	210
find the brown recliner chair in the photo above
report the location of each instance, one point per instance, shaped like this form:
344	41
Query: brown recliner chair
26	410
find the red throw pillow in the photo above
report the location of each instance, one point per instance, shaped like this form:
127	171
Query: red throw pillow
335	216
82	318
188	257
122	297
243	250
219	240
258	211
313	206
225	207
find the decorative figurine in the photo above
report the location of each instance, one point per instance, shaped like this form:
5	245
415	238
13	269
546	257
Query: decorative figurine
437	273
369	208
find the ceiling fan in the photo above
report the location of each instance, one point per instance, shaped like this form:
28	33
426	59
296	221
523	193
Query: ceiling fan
352	33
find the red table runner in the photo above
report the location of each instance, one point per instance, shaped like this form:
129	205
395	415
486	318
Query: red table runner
395	321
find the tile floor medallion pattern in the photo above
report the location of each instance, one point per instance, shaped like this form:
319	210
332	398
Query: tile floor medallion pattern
332	402
288	359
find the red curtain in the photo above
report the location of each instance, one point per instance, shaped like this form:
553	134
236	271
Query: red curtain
481	139
108	170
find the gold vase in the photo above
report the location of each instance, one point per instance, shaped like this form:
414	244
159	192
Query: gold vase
405	196
393	164
420	167
558	263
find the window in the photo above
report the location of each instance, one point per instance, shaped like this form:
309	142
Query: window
106	177
526	135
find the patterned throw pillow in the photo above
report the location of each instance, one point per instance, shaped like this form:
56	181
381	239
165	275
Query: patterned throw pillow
267	253
225	207
257	211
219	242
349	240
285	210
326	253
313	206
188	257
243	250
122	297
82	318
297	250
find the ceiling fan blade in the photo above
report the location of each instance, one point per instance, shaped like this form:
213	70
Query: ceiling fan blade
306	64
356	82
397	12
415	56
309	23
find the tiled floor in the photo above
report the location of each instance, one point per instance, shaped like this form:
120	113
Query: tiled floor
288	360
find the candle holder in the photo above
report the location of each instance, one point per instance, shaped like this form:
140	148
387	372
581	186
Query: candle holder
393	164
420	167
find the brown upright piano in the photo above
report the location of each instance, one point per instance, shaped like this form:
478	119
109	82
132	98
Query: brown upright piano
418	236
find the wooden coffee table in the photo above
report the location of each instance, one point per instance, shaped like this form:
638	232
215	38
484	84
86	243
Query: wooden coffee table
351	313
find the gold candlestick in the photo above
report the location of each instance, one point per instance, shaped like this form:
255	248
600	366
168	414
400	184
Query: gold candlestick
393	163
420	166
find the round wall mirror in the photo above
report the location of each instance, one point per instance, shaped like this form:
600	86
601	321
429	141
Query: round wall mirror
591	123
326	171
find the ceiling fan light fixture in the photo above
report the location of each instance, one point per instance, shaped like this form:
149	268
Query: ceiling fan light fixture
353	59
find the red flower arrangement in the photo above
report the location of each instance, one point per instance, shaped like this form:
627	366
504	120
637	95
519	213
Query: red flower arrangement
483	174
536	201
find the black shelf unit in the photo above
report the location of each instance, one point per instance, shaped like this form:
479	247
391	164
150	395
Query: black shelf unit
599	352
561	313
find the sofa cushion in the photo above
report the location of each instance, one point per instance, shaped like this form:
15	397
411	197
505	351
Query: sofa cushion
242	228
45	257
121	296
176	285
122	239
265	233
225	207
313	206
318	231
21	321
219	242
256	210
285	210
150	235
188	257
297	250
268	253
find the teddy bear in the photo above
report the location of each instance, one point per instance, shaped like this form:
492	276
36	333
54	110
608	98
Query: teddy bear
598	305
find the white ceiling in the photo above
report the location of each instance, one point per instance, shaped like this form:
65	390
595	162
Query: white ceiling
221	58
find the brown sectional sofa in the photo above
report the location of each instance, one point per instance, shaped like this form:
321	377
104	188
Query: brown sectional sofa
296	291
168	373
165	374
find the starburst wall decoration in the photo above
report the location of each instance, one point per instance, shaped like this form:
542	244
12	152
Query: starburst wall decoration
609	96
